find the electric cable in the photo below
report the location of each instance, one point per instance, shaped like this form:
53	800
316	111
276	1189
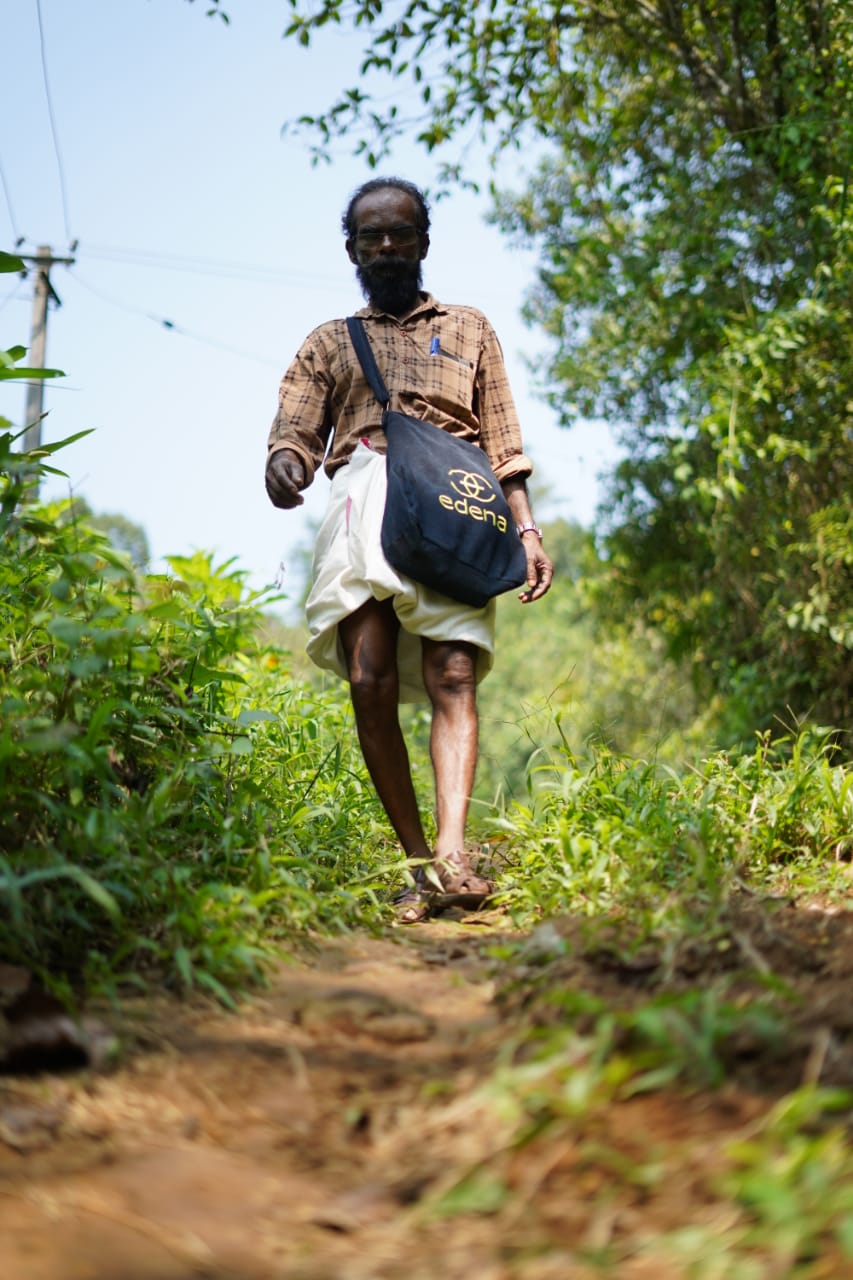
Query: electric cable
51	117
19	239
13	294
173	326
203	266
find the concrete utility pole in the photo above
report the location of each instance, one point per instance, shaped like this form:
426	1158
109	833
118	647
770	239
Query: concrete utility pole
43	291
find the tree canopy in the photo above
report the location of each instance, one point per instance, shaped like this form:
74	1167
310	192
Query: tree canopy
692	215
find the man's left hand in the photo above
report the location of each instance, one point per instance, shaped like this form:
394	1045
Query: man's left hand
540	570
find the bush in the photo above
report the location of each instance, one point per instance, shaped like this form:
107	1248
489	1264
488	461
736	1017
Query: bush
174	800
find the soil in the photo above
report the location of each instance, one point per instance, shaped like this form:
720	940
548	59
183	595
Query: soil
348	1121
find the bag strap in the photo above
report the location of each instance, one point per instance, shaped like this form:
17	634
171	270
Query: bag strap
367	360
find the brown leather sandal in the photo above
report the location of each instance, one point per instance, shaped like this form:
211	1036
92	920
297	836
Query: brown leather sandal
412	904
461	886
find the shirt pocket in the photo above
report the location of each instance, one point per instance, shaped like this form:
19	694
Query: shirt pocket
449	385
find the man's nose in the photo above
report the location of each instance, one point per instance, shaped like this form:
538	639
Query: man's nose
386	242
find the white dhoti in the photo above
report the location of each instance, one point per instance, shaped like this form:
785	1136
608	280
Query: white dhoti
349	568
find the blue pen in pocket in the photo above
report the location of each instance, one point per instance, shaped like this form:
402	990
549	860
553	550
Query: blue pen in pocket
436	349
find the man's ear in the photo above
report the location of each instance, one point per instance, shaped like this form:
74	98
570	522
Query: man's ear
424	246
350	248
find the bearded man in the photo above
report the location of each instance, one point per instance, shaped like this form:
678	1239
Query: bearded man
393	639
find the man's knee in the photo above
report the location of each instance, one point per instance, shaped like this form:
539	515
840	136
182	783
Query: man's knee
450	670
371	689
369	641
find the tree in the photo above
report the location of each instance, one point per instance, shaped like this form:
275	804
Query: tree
124	534
696	273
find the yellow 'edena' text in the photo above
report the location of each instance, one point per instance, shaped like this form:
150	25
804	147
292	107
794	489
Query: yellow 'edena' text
471	509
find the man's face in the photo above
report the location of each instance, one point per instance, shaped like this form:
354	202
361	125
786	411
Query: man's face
388	249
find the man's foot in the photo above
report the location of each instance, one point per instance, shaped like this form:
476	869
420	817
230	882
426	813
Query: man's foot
450	881
460	884
411	906
412	903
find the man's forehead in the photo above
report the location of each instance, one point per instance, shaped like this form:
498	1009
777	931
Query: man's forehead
387	203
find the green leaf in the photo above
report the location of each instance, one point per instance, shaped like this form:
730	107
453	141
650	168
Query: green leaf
18	371
67	871
250	716
481	1192
184	965
52	739
202	675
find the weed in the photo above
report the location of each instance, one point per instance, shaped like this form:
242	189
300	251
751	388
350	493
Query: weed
175	804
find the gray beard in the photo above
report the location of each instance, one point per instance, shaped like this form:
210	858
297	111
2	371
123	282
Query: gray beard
391	284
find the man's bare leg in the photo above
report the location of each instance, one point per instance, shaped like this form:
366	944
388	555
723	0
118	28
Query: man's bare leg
369	639
449	669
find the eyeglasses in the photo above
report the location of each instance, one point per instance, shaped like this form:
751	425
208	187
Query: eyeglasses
402	237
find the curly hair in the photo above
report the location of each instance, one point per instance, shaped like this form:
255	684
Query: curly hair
377	184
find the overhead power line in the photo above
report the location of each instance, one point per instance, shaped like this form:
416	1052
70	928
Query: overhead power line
263	274
174	327
19	239
252	272
52	118
14	293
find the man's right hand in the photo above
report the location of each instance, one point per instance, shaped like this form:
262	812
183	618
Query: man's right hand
284	478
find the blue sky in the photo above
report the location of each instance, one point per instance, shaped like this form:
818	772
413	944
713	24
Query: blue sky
191	208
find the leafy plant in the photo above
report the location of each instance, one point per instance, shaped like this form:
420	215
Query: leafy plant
175	802
691	211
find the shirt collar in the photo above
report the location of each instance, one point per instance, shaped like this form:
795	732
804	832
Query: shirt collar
427	304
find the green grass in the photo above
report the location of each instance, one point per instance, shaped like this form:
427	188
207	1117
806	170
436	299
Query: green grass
181	802
176	803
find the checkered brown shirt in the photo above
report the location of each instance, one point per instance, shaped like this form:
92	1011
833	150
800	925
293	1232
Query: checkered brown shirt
464	388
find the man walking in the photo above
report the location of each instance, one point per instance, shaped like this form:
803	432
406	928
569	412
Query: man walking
391	638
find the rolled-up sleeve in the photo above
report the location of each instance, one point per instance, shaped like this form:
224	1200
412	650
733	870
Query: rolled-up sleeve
500	430
303	421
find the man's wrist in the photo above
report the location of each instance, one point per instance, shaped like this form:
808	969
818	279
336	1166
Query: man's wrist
522	529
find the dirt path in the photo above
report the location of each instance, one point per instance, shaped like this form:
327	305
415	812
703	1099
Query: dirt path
334	1127
284	1141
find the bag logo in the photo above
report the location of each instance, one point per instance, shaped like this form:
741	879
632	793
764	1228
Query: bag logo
475	492
471	485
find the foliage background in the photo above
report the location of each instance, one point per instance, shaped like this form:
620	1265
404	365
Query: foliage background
178	796
692	222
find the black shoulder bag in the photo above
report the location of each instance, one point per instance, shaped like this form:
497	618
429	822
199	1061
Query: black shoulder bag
447	523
